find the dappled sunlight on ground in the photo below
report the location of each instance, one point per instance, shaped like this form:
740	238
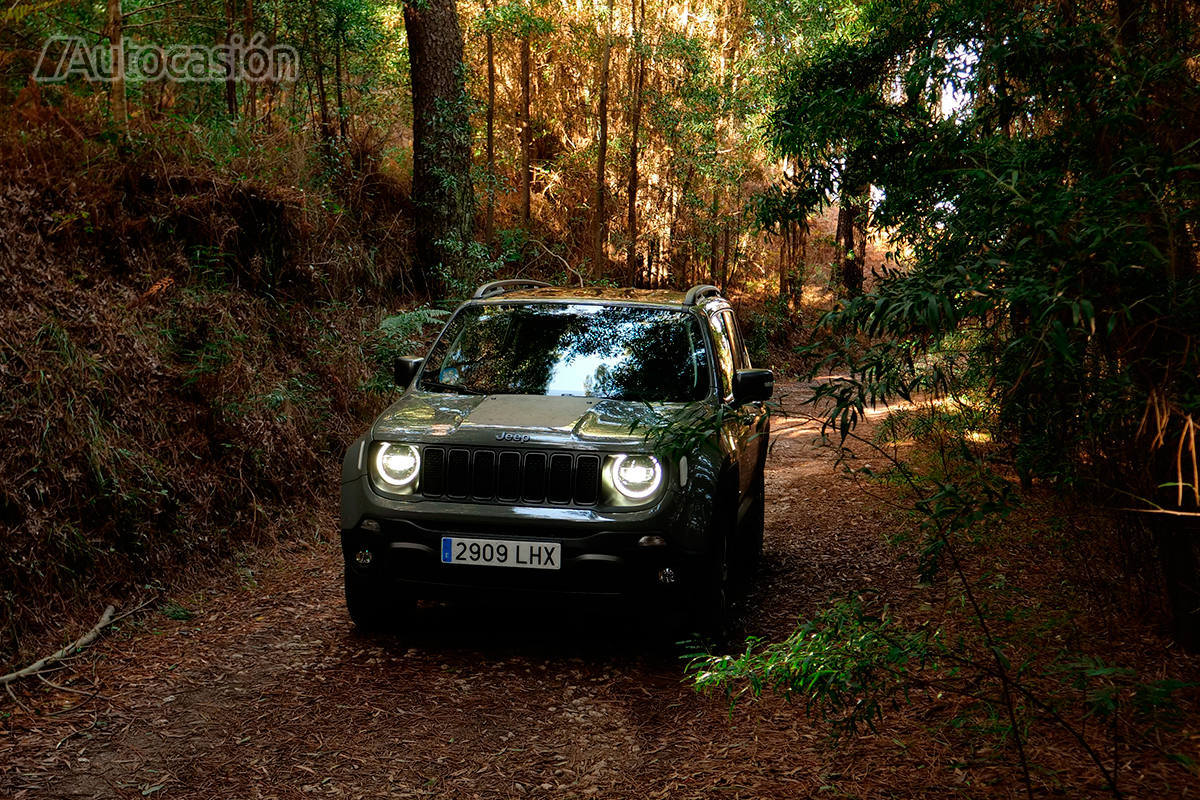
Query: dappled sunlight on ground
267	691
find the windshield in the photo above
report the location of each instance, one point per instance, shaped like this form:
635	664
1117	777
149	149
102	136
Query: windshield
586	350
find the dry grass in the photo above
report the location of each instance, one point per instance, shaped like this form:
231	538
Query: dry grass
180	354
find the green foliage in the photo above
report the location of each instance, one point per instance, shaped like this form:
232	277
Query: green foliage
849	664
674	436
518	18
1047	215
845	665
175	611
697	428
157	431
397	335
474	265
769	326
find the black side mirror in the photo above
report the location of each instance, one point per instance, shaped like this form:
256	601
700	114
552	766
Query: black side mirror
406	368
753	385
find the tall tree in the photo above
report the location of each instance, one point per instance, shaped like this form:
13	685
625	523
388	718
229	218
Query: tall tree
318	43
490	219
442	191
339	35
637	80
851	233
526	123
1052	216
248	31
231	104
116	21
599	257
114	29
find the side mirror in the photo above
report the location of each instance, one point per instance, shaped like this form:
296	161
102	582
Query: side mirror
405	369
753	385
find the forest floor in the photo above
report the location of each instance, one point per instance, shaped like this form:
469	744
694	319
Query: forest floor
266	691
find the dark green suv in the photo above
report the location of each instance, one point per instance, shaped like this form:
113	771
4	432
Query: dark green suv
598	442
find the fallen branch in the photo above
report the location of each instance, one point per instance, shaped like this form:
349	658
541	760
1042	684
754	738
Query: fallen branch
78	644
565	263
1168	511
13	695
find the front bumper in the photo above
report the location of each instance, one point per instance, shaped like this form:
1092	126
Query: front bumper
615	554
408	558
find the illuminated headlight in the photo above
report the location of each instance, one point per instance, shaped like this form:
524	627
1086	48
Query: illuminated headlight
635	477
395	467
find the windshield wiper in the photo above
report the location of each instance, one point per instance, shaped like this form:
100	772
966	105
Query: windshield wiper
449	387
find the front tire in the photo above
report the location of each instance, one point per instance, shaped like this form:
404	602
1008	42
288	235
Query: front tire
372	607
712	606
712	601
750	536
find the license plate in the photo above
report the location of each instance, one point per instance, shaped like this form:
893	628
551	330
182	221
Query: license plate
501	553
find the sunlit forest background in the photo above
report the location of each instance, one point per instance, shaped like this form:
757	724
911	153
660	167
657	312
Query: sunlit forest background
229	265
991	207
576	109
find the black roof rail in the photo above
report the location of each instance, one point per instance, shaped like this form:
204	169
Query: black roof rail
500	287
698	293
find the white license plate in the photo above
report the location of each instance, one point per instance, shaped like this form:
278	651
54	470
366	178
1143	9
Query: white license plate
501	553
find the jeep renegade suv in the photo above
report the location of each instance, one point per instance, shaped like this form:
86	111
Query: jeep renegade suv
605	442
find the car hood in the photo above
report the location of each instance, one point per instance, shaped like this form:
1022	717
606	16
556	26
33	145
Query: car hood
498	418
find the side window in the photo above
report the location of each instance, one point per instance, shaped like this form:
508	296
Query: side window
724	342
741	360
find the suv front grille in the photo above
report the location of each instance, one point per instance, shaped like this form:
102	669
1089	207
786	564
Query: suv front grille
508	476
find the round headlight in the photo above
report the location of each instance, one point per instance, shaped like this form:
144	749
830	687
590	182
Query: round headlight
398	465
636	477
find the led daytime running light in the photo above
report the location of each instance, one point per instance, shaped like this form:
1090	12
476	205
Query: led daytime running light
397	464
646	481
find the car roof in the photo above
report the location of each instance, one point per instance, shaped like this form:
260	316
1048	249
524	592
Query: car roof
659	297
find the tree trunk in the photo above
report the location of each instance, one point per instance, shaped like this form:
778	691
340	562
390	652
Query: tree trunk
784	234
442	192
677	259
599	256
526	130
231	103
852	220
714	240
724	257
273	86
338	34
651	252
638	75
322	99
489	224
252	86
115	30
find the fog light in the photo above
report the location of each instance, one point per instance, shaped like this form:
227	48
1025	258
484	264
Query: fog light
370	526
652	541
363	558
666	576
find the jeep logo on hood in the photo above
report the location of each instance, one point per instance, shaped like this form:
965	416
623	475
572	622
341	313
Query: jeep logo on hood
505	436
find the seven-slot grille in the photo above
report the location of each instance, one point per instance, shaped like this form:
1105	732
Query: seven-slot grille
509	476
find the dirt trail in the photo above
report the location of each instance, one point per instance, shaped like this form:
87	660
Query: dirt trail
268	692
